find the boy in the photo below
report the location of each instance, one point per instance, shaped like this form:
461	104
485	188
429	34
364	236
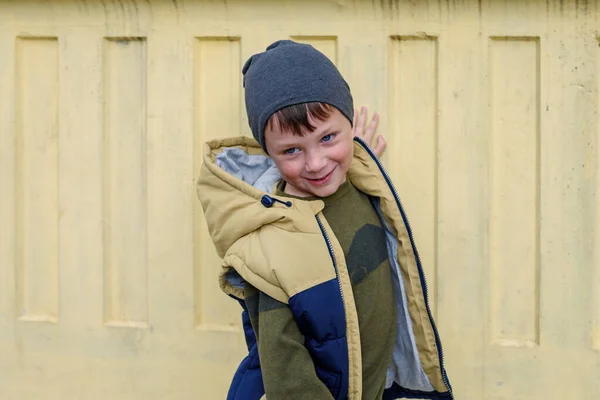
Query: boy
316	246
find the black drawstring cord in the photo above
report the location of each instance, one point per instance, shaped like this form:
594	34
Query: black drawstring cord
268	201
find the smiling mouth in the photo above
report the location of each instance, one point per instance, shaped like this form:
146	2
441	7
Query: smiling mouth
322	180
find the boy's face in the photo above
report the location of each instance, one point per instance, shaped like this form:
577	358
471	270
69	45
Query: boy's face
314	164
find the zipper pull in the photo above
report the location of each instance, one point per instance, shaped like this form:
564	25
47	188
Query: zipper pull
268	201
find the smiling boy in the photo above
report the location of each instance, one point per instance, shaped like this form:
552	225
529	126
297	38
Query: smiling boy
312	158
316	246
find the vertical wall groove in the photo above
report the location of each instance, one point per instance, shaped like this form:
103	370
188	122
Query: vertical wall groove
515	191
36	131
124	183
413	145
217	100
596	267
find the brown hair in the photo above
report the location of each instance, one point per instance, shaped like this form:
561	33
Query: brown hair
296	118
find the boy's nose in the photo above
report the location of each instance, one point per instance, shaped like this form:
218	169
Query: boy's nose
315	163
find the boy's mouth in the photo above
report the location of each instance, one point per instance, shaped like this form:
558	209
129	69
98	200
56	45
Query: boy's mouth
322	180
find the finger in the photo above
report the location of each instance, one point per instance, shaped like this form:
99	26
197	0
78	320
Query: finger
360	123
354	118
372	128
380	147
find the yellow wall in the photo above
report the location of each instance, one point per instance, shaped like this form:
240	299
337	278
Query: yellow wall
107	278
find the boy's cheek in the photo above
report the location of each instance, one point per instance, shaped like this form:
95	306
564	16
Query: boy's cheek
286	168
346	153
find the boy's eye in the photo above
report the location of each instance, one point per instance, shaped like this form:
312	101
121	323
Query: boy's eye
291	150
328	138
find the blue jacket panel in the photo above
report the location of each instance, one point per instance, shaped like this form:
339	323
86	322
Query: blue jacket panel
247	383
319	313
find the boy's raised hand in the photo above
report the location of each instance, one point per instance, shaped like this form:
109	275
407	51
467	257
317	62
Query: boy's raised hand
367	133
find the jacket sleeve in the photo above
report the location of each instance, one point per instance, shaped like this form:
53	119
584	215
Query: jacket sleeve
287	368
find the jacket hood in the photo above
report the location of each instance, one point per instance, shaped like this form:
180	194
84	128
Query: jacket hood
234	187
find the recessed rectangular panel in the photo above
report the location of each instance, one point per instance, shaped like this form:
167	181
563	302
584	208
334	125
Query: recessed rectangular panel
596	267
7	181
217	100
36	137
124	175
413	141
515	187
325	44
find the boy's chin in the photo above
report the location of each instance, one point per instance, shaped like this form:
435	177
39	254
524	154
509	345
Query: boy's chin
326	191
313	190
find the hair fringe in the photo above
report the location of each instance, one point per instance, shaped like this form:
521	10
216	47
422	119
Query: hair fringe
296	118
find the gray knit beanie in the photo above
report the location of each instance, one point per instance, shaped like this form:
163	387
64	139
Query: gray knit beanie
290	73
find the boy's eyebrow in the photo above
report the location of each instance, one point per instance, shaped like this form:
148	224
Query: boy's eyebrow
326	130
291	143
294	140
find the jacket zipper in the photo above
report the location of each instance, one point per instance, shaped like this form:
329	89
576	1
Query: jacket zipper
330	248
335	266
419	266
